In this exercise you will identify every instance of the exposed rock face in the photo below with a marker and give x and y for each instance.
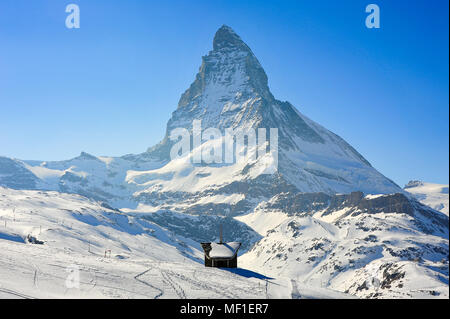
(427, 220)
(230, 91)
(412, 184)
(205, 228)
(387, 246)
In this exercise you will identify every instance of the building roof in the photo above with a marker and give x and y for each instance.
(224, 250)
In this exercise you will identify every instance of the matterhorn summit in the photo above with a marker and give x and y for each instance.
(230, 91)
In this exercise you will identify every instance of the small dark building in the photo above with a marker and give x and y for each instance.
(221, 255)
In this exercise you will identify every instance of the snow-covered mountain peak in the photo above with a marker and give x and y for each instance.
(231, 91)
(230, 71)
(226, 37)
(413, 183)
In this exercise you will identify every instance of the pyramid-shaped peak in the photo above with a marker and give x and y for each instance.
(224, 70)
(226, 28)
(226, 37)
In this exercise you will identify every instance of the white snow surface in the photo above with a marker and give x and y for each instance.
(224, 250)
(431, 194)
(363, 255)
(305, 255)
(116, 255)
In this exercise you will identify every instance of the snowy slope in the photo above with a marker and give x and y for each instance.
(146, 261)
(76, 224)
(231, 91)
(433, 195)
(353, 246)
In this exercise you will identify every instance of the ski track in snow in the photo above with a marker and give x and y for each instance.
(295, 294)
(176, 287)
(160, 291)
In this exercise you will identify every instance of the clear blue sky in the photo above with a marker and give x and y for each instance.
(109, 87)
